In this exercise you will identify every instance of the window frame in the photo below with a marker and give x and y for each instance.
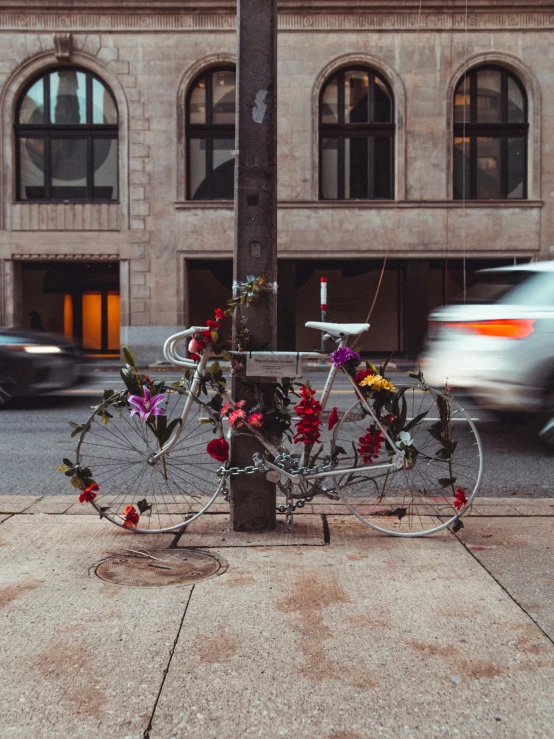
(370, 131)
(472, 130)
(48, 131)
(207, 131)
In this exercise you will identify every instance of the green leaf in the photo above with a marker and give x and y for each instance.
(436, 431)
(70, 472)
(170, 429)
(68, 462)
(456, 526)
(74, 425)
(143, 506)
(215, 336)
(128, 357)
(215, 368)
(63, 468)
(226, 356)
(84, 472)
(204, 420)
(77, 483)
(384, 366)
(416, 420)
(444, 482)
(107, 394)
(443, 454)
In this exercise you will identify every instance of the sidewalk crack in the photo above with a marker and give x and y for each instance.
(148, 729)
(505, 590)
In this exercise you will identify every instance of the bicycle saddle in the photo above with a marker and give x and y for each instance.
(338, 329)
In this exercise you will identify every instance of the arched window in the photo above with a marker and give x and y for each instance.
(356, 137)
(490, 136)
(211, 135)
(66, 138)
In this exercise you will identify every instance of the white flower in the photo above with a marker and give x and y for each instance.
(404, 438)
(398, 459)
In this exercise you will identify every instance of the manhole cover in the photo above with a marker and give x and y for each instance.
(160, 567)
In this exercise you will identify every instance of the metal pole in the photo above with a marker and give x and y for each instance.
(255, 246)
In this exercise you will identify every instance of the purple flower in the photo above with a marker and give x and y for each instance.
(341, 356)
(147, 405)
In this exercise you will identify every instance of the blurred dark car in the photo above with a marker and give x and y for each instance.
(33, 362)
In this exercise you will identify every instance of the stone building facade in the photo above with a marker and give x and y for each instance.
(151, 257)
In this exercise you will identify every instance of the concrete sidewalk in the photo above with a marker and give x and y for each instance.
(331, 631)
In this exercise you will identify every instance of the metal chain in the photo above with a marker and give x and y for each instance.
(293, 506)
(233, 471)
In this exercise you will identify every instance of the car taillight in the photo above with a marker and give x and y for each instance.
(499, 329)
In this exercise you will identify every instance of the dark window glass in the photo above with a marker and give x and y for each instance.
(211, 136)
(356, 137)
(490, 136)
(67, 129)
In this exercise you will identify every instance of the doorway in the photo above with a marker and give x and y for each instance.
(79, 300)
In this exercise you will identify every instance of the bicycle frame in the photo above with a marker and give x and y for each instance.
(171, 354)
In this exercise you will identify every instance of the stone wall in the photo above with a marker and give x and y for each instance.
(149, 58)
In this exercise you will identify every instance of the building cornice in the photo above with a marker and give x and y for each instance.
(294, 15)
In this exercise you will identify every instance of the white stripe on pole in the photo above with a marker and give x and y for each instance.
(323, 293)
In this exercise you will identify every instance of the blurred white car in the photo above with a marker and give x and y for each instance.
(499, 344)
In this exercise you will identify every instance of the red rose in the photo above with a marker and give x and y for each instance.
(220, 315)
(88, 494)
(362, 374)
(218, 449)
(214, 325)
(130, 517)
(333, 418)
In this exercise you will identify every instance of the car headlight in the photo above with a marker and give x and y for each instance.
(41, 349)
(33, 348)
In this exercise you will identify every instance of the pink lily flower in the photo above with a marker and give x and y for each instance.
(147, 405)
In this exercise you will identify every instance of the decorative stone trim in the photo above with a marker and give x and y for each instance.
(66, 257)
(62, 44)
(326, 21)
(65, 216)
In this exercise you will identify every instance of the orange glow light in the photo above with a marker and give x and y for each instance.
(499, 329)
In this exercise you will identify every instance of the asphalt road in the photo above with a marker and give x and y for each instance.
(34, 436)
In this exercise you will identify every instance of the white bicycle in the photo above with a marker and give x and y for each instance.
(407, 461)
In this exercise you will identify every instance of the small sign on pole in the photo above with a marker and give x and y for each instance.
(323, 301)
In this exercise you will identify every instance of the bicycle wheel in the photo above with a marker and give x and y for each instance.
(116, 447)
(437, 464)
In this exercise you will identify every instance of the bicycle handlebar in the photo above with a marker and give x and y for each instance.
(170, 352)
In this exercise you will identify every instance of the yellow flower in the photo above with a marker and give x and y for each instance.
(376, 382)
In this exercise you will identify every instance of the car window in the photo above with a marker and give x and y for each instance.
(495, 287)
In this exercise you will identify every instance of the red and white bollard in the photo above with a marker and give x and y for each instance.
(323, 302)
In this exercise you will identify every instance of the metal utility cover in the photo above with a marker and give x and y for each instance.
(160, 568)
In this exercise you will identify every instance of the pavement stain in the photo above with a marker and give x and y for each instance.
(439, 650)
(531, 646)
(308, 596)
(72, 669)
(479, 669)
(216, 647)
(236, 579)
(9, 593)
